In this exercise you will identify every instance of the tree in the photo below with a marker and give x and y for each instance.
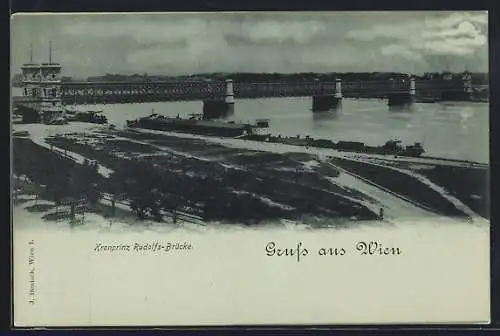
(139, 182)
(92, 190)
(173, 193)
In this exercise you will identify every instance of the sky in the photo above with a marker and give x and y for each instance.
(186, 43)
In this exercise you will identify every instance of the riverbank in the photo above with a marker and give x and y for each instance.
(283, 187)
(222, 180)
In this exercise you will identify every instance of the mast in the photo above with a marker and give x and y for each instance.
(31, 52)
(50, 52)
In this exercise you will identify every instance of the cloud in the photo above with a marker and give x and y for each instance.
(454, 19)
(463, 29)
(227, 43)
(196, 29)
(458, 46)
(399, 31)
(455, 34)
(400, 50)
(276, 31)
(172, 43)
(458, 34)
(142, 31)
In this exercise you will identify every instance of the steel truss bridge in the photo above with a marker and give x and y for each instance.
(163, 91)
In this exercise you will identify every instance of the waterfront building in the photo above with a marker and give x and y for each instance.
(41, 99)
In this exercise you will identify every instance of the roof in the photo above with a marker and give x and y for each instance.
(40, 65)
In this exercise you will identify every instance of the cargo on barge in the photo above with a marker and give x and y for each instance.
(391, 147)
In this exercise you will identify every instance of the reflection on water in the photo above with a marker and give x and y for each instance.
(320, 117)
(401, 109)
(454, 130)
(402, 114)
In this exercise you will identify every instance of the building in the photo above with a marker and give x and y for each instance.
(456, 87)
(41, 99)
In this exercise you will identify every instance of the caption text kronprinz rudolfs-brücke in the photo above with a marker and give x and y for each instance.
(144, 247)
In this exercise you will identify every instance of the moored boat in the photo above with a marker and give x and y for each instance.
(195, 124)
(191, 125)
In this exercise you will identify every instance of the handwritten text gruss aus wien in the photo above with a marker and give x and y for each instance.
(363, 248)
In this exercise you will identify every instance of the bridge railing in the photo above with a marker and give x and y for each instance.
(270, 89)
(201, 90)
(148, 90)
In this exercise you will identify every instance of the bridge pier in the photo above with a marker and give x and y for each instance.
(400, 97)
(214, 109)
(326, 102)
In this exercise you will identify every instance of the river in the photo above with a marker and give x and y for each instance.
(458, 130)
(449, 130)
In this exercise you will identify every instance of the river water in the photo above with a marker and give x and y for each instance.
(449, 130)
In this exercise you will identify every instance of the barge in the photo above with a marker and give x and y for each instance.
(254, 132)
(192, 125)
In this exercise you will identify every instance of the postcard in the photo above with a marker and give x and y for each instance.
(250, 168)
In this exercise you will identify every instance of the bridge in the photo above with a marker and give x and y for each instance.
(219, 96)
(111, 92)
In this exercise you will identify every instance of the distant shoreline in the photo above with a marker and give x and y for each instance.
(478, 77)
